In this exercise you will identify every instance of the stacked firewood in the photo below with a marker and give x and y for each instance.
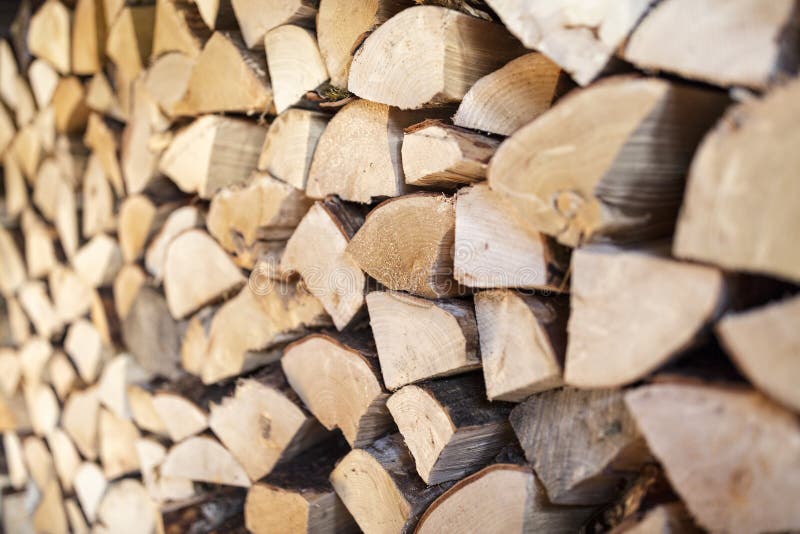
(485, 266)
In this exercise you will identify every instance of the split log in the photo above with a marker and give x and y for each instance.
(182, 418)
(98, 200)
(130, 40)
(12, 267)
(127, 284)
(127, 509)
(14, 415)
(420, 231)
(88, 37)
(102, 138)
(507, 99)
(428, 55)
(256, 18)
(211, 153)
(27, 147)
(690, 429)
(139, 158)
(176, 223)
(47, 188)
(65, 457)
(136, 216)
(25, 106)
(264, 422)
(33, 357)
(168, 77)
(7, 133)
(719, 222)
(216, 465)
(246, 327)
(113, 384)
(461, 433)
(523, 340)
(48, 35)
(342, 26)
(40, 255)
(224, 58)
(37, 305)
(100, 313)
(671, 301)
(49, 515)
(339, 380)
(418, 339)
(17, 470)
(316, 250)
(763, 343)
(69, 104)
(71, 157)
(581, 39)
(77, 523)
(610, 160)
(10, 71)
(102, 99)
(39, 461)
(217, 14)
(43, 80)
(16, 194)
(495, 247)
(436, 154)
(160, 488)
(117, 443)
(380, 488)
(289, 145)
(197, 271)
(151, 334)
(10, 371)
(18, 322)
(143, 412)
(753, 60)
(195, 340)
(90, 487)
(43, 408)
(72, 297)
(178, 28)
(500, 498)
(85, 347)
(62, 375)
(294, 62)
(66, 221)
(79, 420)
(580, 464)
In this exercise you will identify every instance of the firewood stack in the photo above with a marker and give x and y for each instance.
(389, 266)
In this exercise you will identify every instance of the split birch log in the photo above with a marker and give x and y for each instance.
(500, 498)
(127, 284)
(246, 327)
(71, 157)
(98, 200)
(178, 28)
(17, 470)
(627, 187)
(25, 106)
(102, 99)
(98, 261)
(66, 221)
(264, 422)
(762, 52)
(143, 413)
(65, 457)
(43, 408)
(197, 271)
(495, 247)
(168, 78)
(37, 305)
(177, 222)
(8, 78)
(215, 465)
(88, 37)
(436, 154)
(113, 384)
(33, 358)
(90, 487)
(48, 35)
(27, 148)
(339, 380)
(290, 143)
(580, 464)
(160, 488)
(523, 340)
(690, 429)
(418, 339)
(580, 38)
(428, 55)
(380, 488)
(127, 509)
(420, 230)
(507, 99)
(298, 498)
(358, 156)
(49, 515)
(102, 138)
(195, 340)
(316, 250)
(39, 461)
(10, 371)
(12, 267)
(139, 158)
(72, 297)
(763, 343)
(719, 222)
(136, 216)
(43, 80)
(40, 255)
(224, 58)
(256, 19)
(181, 416)
(130, 40)
(79, 420)
(462, 431)
(217, 14)
(48, 187)
(117, 443)
(294, 62)
(342, 26)
(151, 334)
(671, 301)
(62, 375)
(212, 153)
(15, 191)
(19, 324)
(69, 104)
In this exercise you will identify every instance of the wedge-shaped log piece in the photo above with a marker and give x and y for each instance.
(98, 200)
(43, 408)
(295, 64)
(428, 55)
(523, 340)
(43, 79)
(341, 27)
(65, 457)
(290, 143)
(168, 78)
(69, 104)
(27, 147)
(246, 327)
(100, 97)
(439, 155)
(12, 268)
(500, 498)
(127, 284)
(151, 334)
(19, 325)
(462, 431)
(418, 339)
(49, 35)
(79, 420)
(143, 412)
(380, 487)
(581, 38)
(763, 343)
(49, 515)
(130, 39)
(668, 37)
(507, 99)
(37, 305)
(264, 422)
(608, 161)
(40, 253)
(731, 455)
(98, 261)
(10, 71)
(671, 301)
(48, 188)
(339, 380)
(419, 231)
(161, 488)
(227, 77)
(178, 28)
(139, 158)
(39, 461)
(17, 470)
(586, 463)
(495, 247)
(117, 439)
(176, 223)
(720, 221)
(216, 14)
(316, 250)
(72, 297)
(17, 198)
(203, 459)
(88, 36)
(127, 509)
(62, 375)
(33, 357)
(196, 272)
(136, 216)
(102, 137)
(113, 384)
(358, 155)
(90, 486)
(181, 417)
(211, 153)
(26, 106)
(256, 18)
(77, 523)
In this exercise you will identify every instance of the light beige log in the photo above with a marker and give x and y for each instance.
(33, 357)
(98, 261)
(37, 305)
(129, 280)
(151, 334)
(10, 71)
(177, 222)
(181, 417)
(143, 412)
(90, 486)
(178, 28)
(77, 523)
(136, 216)
(62, 375)
(428, 55)
(27, 148)
(40, 253)
(289, 145)
(130, 40)
(10, 371)
(16, 193)
(19, 325)
(295, 64)
(72, 296)
(49, 35)
(216, 14)
(43, 408)
(256, 18)
(168, 78)
(11, 266)
(39, 461)
(113, 384)
(88, 37)
(117, 439)
(79, 420)
(43, 79)
(127, 509)
(17, 470)
(65, 457)
(98, 200)
(139, 158)
(102, 99)
(69, 104)
(49, 515)
(203, 459)
(85, 347)
(161, 488)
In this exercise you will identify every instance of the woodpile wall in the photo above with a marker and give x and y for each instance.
(470, 266)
